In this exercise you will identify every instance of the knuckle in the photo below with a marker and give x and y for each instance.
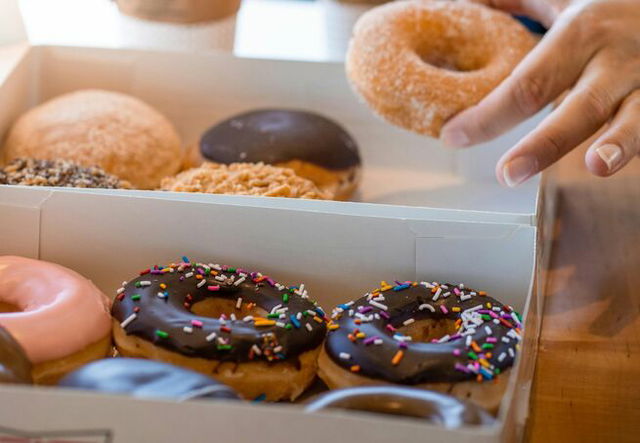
(486, 129)
(551, 146)
(591, 21)
(625, 131)
(598, 104)
(529, 95)
(634, 101)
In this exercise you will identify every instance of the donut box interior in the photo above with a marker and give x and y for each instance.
(423, 212)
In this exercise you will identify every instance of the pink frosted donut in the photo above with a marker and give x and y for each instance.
(59, 317)
(418, 62)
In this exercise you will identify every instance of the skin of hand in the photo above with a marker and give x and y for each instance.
(592, 49)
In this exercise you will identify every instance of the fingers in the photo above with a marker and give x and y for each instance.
(590, 104)
(549, 69)
(511, 6)
(619, 143)
(543, 11)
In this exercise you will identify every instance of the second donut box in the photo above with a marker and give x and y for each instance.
(423, 213)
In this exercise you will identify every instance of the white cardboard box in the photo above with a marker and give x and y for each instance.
(106, 237)
(425, 212)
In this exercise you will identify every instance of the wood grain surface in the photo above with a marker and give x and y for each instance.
(587, 383)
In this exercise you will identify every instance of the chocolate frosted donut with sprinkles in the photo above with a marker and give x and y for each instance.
(431, 335)
(242, 328)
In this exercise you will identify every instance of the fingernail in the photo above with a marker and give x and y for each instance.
(611, 155)
(518, 170)
(454, 138)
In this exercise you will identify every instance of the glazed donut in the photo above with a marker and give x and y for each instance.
(432, 406)
(15, 366)
(417, 63)
(315, 147)
(60, 318)
(428, 335)
(146, 379)
(239, 327)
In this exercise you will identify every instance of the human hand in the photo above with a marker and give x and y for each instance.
(593, 48)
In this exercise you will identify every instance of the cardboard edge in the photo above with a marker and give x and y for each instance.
(22, 224)
(78, 399)
(356, 209)
(12, 27)
(517, 426)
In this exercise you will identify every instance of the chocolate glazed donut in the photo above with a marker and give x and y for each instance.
(477, 339)
(432, 406)
(270, 326)
(15, 367)
(314, 146)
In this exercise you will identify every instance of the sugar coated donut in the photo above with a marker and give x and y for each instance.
(146, 379)
(15, 366)
(314, 146)
(434, 407)
(117, 132)
(434, 336)
(418, 62)
(60, 318)
(258, 336)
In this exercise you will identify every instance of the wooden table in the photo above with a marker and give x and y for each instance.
(587, 383)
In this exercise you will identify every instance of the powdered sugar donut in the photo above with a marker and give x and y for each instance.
(417, 63)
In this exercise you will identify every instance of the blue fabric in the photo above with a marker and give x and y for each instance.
(532, 25)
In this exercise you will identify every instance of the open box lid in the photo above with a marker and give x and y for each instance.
(13, 36)
(11, 25)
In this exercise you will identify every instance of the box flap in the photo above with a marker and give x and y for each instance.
(20, 222)
(106, 418)
(475, 253)
(11, 24)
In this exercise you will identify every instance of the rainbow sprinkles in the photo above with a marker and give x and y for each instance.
(482, 340)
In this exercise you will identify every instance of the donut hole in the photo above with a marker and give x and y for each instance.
(214, 307)
(8, 307)
(452, 55)
(428, 329)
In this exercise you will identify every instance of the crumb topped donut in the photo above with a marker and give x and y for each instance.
(435, 336)
(62, 173)
(418, 62)
(243, 328)
(244, 179)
